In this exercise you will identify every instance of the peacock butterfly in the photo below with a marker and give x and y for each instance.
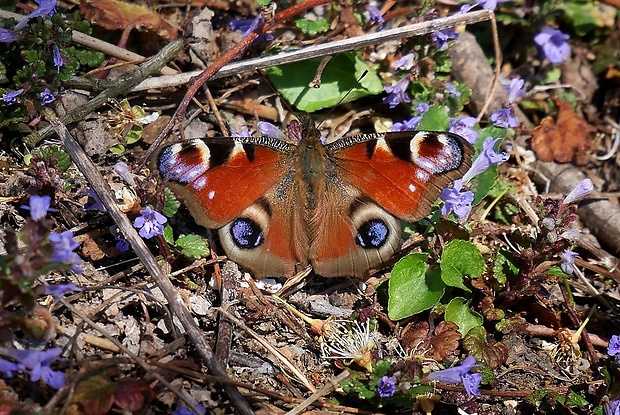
(280, 205)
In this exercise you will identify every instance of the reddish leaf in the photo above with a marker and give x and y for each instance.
(438, 346)
(567, 140)
(95, 395)
(131, 394)
(118, 15)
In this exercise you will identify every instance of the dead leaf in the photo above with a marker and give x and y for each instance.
(118, 15)
(567, 140)
(438, 346)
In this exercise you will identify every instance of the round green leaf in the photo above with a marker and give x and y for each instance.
(458, 259)
(458, 312)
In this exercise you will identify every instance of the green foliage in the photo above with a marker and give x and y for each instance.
(413, 287)
(435, 119)
(504, 266)
(341, 77)
(171, 204)
(62, 159)
(458, 312)
(192, 246)
(459, 259)
(312, 28)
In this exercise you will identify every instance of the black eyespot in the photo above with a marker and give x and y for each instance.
(246, 233)
(372, 234)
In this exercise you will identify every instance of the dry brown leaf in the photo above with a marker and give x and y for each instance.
(445, 340)
(567, 140)
(118, 15)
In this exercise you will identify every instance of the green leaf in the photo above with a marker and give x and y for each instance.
(413, 288)
(262, 3)
(192, 246)
(588, 16)
(460, 314)
(475, 341)
(459, 259)
(312, 28)
(62, 159)
(134, 134)
(171, 204)
(436, 118)
(504, 266)
(168, 234)
(117, 148)
(340, 77)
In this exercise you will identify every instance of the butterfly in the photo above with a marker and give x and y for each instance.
(280, 205)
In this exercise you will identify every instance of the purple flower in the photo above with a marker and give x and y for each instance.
(571, 234)
(8, 36)
(46, 97)
(244, 132)
(504, 118)
(63, 245)
(39, 206)
(464, 9)
(490, 4)
(460, 374)
(150, 222)
(374, 15)
(122, 245)
(59, 290)
(386, 386)
(250, 25)
(7, 368)
(457, 201)
(124, 173)
(46, 8)
(613, 349)
(485, 159)
(94, 202)
(612, 407)
(442, 37)
(186, 411)
(406, 62)
(59, 61)
(568, 260)
(515, 89)
(269, 130)
(407, 125)
(580, 191)
(553, 44)
(10, 97)
(452, 89)
(37, 363)
(397, 93)
(462, 127)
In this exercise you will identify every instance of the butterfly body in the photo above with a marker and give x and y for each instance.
(279, 206)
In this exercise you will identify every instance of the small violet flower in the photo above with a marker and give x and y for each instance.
(515, 89)
(485, 159)
(7, 368)
(612, 407)
(248, 26)
(122, 245)
(183, 410)
(10, 97)
(63, 245)
(46, 97)
(122, 169)
(397, 93)
(405, 63)
(460, 374)
(407, 125)
(490, 4)
(442, 37)
(46, 8)
(463, 127)
(568, 260)
(38, 207)
(580, 191)
(553, 44)
(59, 61)
(613, 349)
(269, 130)
(457, 200)
(504, 118)
(452, 90)
(8, 36)
(150, 222)
(94, 202)
(59, 290)
(243, 132)
(374, 15)
(386, 386)
(37, 364)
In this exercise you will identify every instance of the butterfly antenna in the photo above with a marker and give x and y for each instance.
(359, 80)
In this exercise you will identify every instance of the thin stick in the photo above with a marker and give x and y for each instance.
(314, 51)
(97, 182)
